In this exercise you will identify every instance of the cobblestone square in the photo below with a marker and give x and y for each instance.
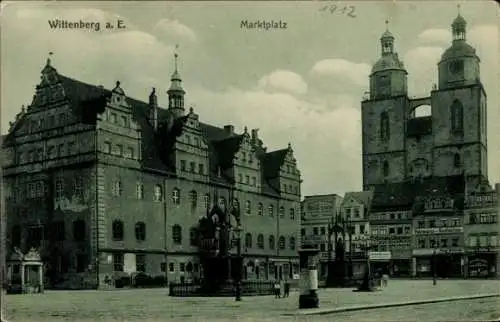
(156, 305)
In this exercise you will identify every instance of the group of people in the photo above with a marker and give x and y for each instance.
(277, 289)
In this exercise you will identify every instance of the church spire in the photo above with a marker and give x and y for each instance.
(458, 27)
(176, 92)
(387, 40)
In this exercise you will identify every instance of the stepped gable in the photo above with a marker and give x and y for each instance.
(364, 197)
(89, 101)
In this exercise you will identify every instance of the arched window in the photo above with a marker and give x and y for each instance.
(260, 209)
(236, 203)
(117, 188)
(207, 200)
(292, 214)
(271, 211)
(292, 243)
(260, 241)
(176, 196)
(384, 126)
(386, 169)
(117, 230)
(457, 116)
(140, 231)
(271, 242)
(193, 236)
(177, 234)
(193, 196)
(282, 212)
(281, 242)
(248, 240)
(158, 193)
(456, 160)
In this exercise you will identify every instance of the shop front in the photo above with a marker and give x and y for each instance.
(380, 262)
(444, 262)
(482, 263)
(401, 262)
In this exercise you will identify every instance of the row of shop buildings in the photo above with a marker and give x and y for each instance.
(407, 231)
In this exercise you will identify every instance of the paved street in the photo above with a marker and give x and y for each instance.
(156, 305)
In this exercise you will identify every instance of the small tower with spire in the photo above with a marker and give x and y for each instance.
(153, 105)
(387, 40)
(176, 92)
(458, 27)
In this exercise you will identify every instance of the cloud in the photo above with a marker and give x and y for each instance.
(283, 80)
(174, 31)
(357, 73)
(421, 64)
(435, 36)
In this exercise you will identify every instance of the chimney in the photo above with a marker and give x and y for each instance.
(255, 136)
(153, 103)
(229, 129)
(497, 188)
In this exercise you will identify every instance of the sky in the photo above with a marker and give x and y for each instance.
(303, 84)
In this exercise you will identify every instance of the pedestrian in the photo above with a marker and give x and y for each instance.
(385, 279)
(286, 292)
(277, 289)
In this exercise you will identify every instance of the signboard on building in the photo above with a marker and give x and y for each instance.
(439, 251)
(440, 230)
(379, 256)
(313, 239)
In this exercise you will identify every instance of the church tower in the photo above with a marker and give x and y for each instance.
(383, 118)
(176, 92)
(459, 111)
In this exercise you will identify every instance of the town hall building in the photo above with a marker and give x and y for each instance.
(106, 185)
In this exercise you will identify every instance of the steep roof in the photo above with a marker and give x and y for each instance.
(89, 101)
(364, 197)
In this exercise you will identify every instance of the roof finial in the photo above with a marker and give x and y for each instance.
(48, 58)
(176, 56)
(117, 83)
(458, 9)
(387, 24)
(246, 129)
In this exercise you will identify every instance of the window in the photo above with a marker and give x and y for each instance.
(140, 231)
(407, 230)
(392, 230)
(400, 230)
(124, 121)
(247, 179)
(118, 262)
(292, 214)
(432, 223)
(386, 169)
(271, 211)
(444, 222)
(254, 181)
(356, 212)
(271, 242)
(322, 230)
(302, 231)
(248, 240)
(457, 116)
(140, 262)
(193, 196)
(117, 230)
(454, 242)
(81, 263)
(444, 243)
(201, 169)
(78, 187)
(113, 117)
(59, 231)
(183, 165)
(243, 156)
(130, 153)
(158, 193)
(117, 188)
(384, 126)
(163, 266)
(260, 209)
(222, 202)
(292, 243)
(432, 243)
(171, 267)
(248, 207)
(206, 200)
(182, 267)
(456, 160)
(59, 188)
(193, 236)
(177, 234)
(421, 224)
(282, 212)
(79, 230)
(240, 178)
(192, 167)
(392, 216)
(107, 148)
(455, 222)
(362, 229)
(322, 247)
(139, 189)
(315, 231)
(281, 242)
(260, 241)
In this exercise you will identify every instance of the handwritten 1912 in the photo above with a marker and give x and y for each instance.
(332, 8)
